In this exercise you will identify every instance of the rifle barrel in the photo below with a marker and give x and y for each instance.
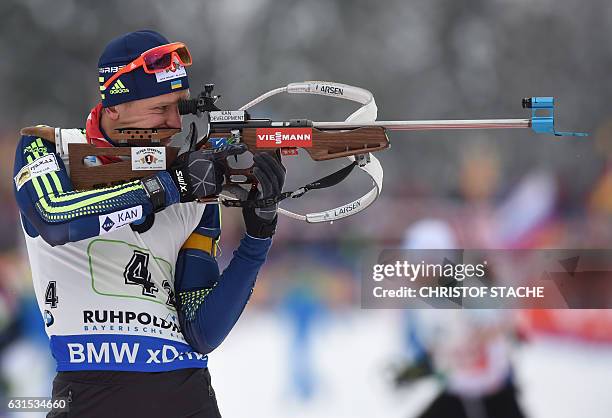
(429, 125)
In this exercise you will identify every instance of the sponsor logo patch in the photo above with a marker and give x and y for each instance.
(346, 209)
(289, 151)
(283, 137)
(113, 221)
(118, 88)
(49, 320)
(181, 181)
(148, 158)
(128, 353)
(99, 317)
(171, 75)
(40, 166)
(227, 116)
(35, 148)
(218, 142)
(110, 70)
(108, 224)
(330, 90)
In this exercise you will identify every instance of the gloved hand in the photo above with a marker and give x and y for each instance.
(193, 175)
(199, 174)
(270, 174)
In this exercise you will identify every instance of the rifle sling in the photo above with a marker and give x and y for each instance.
(323, 183)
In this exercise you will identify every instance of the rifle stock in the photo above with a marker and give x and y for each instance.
(330, 144)
(326, 145)
(94, 177)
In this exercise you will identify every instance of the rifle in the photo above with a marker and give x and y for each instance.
(356, 139)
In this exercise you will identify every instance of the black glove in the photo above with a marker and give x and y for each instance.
(270, 174)
(200, 173)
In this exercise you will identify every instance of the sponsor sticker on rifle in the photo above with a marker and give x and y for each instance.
(289, 151)
(329, 90)
(116, 220)
(283, 137)
(148, 158)
(42, 165)
(347, 209)
(227, 116)
(217, 142)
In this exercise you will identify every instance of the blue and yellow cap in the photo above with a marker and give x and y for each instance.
(136, 84)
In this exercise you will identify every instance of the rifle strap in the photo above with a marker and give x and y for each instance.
(323, 183)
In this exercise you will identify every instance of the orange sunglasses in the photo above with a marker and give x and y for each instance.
(156, 60)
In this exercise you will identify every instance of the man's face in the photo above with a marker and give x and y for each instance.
(153, 112)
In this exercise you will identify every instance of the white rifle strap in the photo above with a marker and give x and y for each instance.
(368, 162)
(64, 137)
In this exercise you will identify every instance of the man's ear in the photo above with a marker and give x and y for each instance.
(111, 112)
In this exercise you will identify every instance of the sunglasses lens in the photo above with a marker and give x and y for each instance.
(157, 61)
(160, 59)
(184, 55)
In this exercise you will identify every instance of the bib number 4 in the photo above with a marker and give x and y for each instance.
(137, 273)
(51, 298)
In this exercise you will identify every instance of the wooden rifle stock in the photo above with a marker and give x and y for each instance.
(330, 144)
(326, 145)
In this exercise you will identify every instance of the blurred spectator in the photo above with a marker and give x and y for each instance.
(468, 350)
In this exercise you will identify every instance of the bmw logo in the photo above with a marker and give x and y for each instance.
(48, 318)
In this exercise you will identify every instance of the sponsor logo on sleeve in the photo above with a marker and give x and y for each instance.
(113, 221)
(108, 224)
(148, 158)
(40, 166)
(181, 180)
(34, 147)
(284, 137)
